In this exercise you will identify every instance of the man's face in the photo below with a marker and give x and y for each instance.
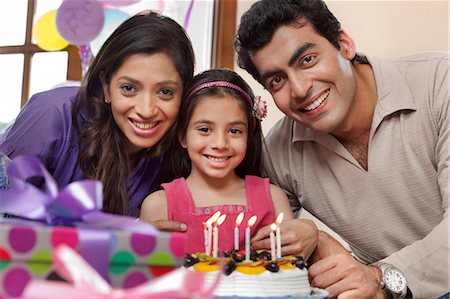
(310, 80)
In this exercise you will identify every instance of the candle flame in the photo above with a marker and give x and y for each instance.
(221, 219)
(279, 218)
(273, 227)
(209, 222)
(213, 218)
(251, 221)
(239, 218)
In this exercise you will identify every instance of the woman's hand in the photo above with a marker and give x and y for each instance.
(298, 237)
(169, 226)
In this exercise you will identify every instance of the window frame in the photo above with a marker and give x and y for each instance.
(224, 27)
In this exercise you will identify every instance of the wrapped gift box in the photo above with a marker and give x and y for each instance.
(26, 253)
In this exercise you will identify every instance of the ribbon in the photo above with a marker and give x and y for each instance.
(187, 17)
(78, 204)
(85, 282)
(85, 57)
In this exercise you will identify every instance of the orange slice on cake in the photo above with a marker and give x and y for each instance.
(206, 267)
(251, 270)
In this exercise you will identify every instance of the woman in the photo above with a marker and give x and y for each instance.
(114, 128)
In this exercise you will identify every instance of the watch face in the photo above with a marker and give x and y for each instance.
(394, 280)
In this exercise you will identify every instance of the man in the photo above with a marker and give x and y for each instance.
(363, 147)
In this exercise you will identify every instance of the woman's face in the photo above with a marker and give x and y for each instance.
(145, 95)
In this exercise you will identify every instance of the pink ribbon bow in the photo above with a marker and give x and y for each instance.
(85, 282)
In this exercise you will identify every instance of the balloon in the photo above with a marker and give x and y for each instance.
(116, 3)
(113, 18)
(46, 34)
(80, 21)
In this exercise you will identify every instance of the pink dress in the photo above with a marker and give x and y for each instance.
(181, 207)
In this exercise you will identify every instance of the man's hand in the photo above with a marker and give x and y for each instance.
(169, 226)
(336, 270)
(298, 237)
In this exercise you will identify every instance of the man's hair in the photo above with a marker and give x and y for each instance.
(260, 22)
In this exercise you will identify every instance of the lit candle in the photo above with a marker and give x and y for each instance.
(239, 219)
(273, 227)
(205, 237)
(219, 221)
(208, 237)
(209, 223)
(278, 234)
(250, 223)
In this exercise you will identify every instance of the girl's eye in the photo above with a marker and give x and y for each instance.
(235, 131)
(204, 130)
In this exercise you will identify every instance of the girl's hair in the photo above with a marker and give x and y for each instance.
(102, 150)
(177, 162)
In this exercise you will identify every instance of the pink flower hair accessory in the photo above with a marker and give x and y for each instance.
(259, 108)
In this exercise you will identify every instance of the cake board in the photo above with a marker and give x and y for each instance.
(316, 293)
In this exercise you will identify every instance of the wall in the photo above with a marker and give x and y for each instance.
(379, 28)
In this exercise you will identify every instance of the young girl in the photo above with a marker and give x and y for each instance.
(218, 163)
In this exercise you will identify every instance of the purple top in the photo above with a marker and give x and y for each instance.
(44, 129)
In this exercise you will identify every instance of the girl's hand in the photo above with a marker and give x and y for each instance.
(169, 226)
(298, 237)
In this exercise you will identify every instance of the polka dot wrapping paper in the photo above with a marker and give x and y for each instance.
(133, 258)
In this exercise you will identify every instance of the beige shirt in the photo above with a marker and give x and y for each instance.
(397, 210)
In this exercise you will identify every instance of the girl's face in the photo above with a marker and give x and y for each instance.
(145, 95)
(216, 137)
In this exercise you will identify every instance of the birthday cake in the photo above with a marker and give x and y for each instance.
(258, 277)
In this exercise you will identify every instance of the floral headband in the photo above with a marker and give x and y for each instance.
(259, 106)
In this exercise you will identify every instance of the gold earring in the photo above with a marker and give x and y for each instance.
(107, 101)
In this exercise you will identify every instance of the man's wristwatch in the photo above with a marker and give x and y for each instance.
(393, 280)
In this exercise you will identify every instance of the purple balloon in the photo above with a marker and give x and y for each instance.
(80, 21)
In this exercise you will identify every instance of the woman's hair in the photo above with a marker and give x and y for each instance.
(260, 22)
(102, 150)
(177, 162)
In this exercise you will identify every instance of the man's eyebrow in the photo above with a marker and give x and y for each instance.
(299, 52)
(291, 61)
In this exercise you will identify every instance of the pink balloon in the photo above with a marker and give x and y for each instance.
(80, 21)
(116, 3)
